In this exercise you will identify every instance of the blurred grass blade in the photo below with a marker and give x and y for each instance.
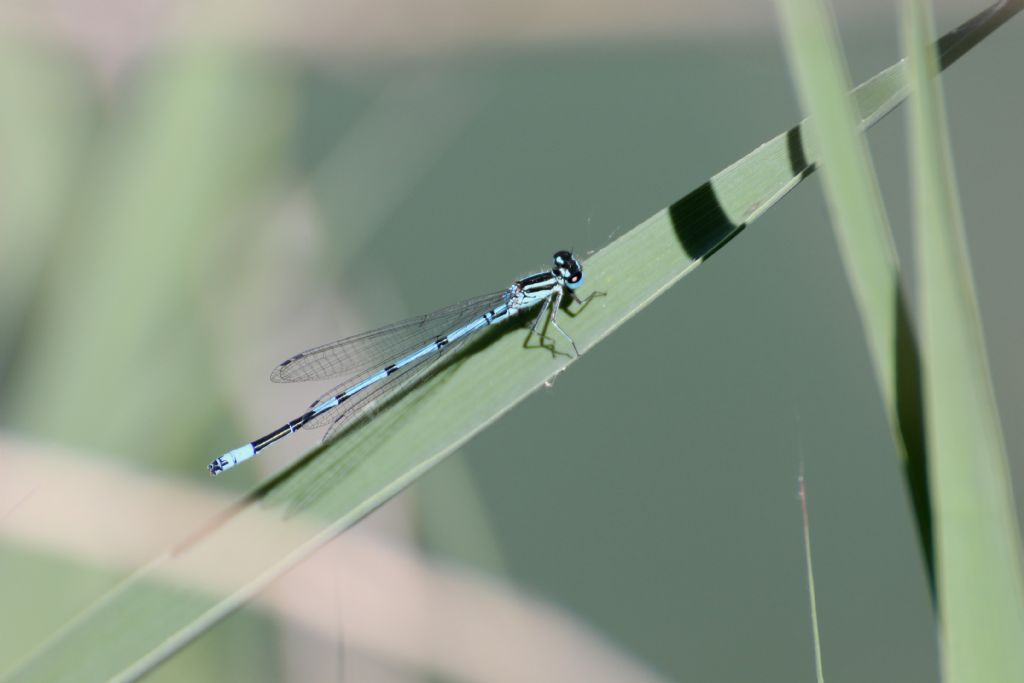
(145, 620)
(83, 492)
(159, 212)
(864, 237)
(979, 556)
(45, 123)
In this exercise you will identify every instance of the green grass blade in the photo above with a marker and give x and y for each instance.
(210, 130)
(44, 134)
(861, 225)
(148, 618)
(819, 668)
(864, 237)
(979, 556)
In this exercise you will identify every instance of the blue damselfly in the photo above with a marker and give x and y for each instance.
(375, 366)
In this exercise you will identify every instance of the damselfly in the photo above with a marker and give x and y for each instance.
(376, 366)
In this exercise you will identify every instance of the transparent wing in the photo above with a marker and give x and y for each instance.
(360, 355)
(378, 395)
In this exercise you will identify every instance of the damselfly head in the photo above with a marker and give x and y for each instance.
(568, 269)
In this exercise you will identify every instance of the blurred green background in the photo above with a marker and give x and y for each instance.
(182, 210)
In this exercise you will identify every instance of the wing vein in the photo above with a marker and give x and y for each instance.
(359, 356)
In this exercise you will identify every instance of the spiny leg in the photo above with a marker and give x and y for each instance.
(582, 302)
(556, 303)
(538, 329)
(536, 321)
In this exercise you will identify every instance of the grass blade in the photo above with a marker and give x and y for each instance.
(819, 668)
(979, 556)
(864, 237)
